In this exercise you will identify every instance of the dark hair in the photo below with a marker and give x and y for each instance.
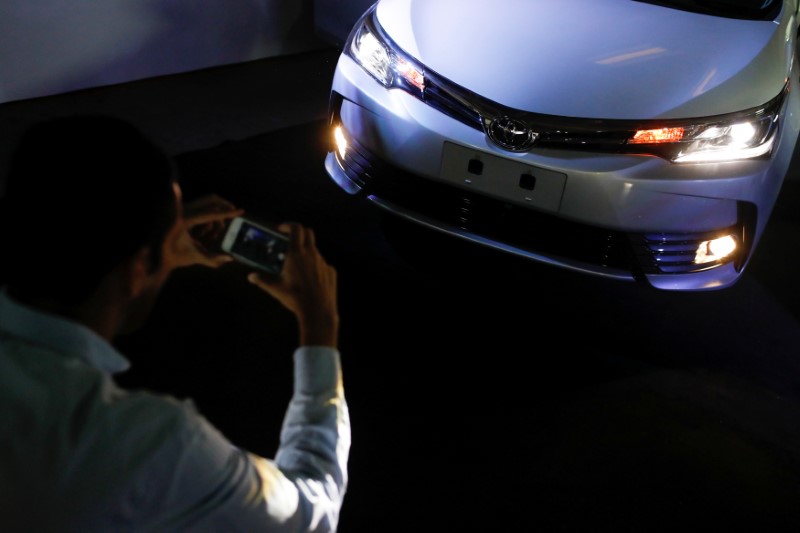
(84, 192)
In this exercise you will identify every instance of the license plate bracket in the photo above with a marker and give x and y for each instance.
(502, 178)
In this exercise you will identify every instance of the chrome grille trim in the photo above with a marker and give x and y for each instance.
(553, 131)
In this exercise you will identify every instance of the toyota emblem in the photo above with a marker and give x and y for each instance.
(511, 134)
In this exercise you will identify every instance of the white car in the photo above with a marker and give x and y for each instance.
(631, 139)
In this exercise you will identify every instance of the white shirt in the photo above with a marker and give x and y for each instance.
(78, 453)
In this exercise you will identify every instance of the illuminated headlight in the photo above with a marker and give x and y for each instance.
(742, 140)
(743, 136)
(373, 50)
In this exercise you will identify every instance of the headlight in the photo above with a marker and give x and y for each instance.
(375, 52)
(744, 136)
(741, 140)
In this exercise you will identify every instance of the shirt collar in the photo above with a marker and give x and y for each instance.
(59, 334)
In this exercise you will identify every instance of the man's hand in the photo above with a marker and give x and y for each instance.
(306, 287)
(205, 221)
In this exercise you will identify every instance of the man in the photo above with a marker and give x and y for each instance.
(95, 224)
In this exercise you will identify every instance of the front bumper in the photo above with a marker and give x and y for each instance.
(541, 237)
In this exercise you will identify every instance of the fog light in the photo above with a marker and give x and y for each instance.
(341, 142)
(715, 249)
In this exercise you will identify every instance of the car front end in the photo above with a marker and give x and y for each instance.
(626, 140)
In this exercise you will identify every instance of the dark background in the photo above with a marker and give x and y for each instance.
(487, 393)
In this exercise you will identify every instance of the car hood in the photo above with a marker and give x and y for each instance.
(605, 59)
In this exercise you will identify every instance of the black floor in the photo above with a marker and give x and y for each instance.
(487, 393)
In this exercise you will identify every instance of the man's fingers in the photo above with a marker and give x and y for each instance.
(259, 281)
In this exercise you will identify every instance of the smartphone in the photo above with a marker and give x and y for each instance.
(256, 244)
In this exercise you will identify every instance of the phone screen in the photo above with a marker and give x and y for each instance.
(261, 247)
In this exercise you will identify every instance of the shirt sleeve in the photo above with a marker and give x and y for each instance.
(315, 438)
(215, 486)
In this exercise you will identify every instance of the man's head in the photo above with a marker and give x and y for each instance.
(84, 194)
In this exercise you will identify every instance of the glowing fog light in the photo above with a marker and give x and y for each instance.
(341, 141)
(715, 249)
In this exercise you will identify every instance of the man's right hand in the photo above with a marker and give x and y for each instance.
(306, 286)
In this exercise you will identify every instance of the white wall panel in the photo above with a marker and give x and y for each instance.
(52, 46)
